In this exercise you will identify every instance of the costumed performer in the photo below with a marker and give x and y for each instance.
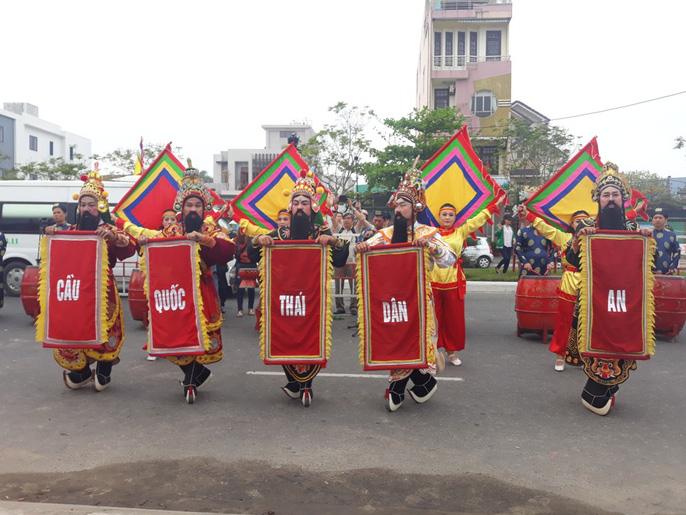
(667, 250)
(449, 285)
(194, 202)
(93, 215)
(409, 200)
(568, 289)
(535, 252)
(605, 375)
(306, 224)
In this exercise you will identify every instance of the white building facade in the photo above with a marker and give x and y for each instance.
(26, 138)
(233, 169)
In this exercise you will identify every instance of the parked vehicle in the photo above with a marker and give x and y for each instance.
(26, 207)
(478, 254)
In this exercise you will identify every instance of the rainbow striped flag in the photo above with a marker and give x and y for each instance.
(154, 192)
(456, 175)
(569, 190)
(263, 198)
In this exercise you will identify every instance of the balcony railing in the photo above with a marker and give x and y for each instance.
(459, 62)
(452, 5)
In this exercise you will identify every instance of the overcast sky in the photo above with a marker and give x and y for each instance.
(206, 75)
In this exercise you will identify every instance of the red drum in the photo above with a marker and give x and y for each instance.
(138, 302)
(249, 277)
(536, 304)
(29, 291)
(670, 304)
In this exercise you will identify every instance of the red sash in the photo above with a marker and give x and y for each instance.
(172, 283)
(393, 292)
(73, 290)
(296, 303)
(616, 313)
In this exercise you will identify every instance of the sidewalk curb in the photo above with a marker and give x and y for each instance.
(491, 286)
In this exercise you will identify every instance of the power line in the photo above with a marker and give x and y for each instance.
(596, 112)
(618, 107)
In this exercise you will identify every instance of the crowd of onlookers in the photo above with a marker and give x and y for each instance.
(350, 222)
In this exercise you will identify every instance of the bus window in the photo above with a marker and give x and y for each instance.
(24, 217)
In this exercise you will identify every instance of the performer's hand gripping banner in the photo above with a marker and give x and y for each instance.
(172, 284)
(616, 315)
(393, 296)
(296, 303)
(73, 279)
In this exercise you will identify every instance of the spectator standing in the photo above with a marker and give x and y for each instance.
(59, 215)
(243, 260)
(347, 272)
(504, 239)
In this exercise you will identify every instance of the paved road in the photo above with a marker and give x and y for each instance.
(506, 434)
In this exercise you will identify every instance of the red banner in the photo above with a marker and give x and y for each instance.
(296, 303)
(172, 283)
(73, 289)
(616, 311)
(393, 293)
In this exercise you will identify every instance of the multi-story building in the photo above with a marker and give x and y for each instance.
(235, 168)
(25, 138)
(464, 63)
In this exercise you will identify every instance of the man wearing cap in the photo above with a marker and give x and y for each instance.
(667, 250)
(59, 214)
(93, 215)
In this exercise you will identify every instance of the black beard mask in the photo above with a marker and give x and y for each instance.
(399, 229)
(89, 222)
(193, 222)
(611, 217)
(300, 226)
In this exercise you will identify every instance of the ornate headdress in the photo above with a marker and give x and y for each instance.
(611, 177)
(411, 188)
(93, 187)
(305, 185)
(192, 186)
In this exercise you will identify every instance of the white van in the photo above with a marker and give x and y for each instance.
(26, 206)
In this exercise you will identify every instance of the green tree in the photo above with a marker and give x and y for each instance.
(679, 143)
(422, 132)
(655, 188)
(122, 161)
(543, 148)
(337, 151)
(54, 169)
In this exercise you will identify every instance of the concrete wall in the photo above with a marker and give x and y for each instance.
(7, 142)
(27, 125)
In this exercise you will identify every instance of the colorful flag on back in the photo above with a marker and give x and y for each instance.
(262, 199)
(569, 190)
(154, 192)
(456, 175)
(139, 160)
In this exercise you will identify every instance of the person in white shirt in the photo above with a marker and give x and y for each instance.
(347, 272)
(504, 239)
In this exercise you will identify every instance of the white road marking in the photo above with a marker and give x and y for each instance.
(327, 374)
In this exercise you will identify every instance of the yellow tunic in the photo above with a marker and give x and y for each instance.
(456, 243)
(571, 280)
